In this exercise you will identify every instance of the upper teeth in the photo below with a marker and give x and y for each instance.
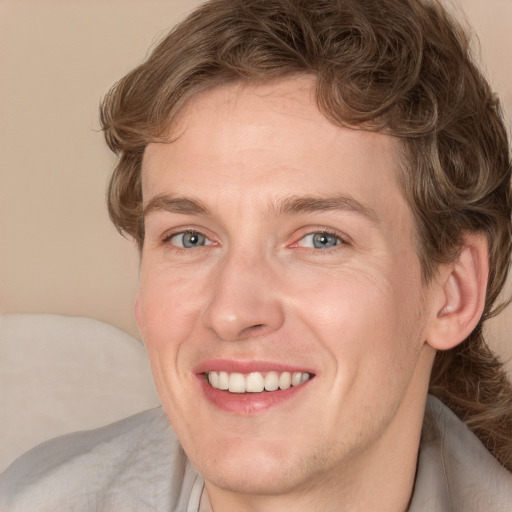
(255, 382)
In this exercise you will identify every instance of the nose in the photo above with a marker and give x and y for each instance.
(245, 302)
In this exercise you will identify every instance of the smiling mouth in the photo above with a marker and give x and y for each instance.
(255, 382)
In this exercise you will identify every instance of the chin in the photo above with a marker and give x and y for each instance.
(254, 469)
(254, 479)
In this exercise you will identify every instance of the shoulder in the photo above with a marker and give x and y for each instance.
(134, 464)
(455, 470)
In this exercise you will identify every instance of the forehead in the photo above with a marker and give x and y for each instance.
(239, 138)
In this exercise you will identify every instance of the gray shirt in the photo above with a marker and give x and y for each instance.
(137, 464)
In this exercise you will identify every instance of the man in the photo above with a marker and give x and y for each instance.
(321, 196)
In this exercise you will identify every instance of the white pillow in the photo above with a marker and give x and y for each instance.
(60, 374)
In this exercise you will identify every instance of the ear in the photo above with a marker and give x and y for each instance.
(459, 295)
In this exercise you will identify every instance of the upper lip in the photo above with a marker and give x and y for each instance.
(237, 366)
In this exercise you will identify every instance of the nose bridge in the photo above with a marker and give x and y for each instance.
(245, 300)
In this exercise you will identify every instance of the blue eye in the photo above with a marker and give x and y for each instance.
(319, 240)
(189, 240)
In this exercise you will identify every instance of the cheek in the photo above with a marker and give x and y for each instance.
(164, 319)
(352, 301)
(165, 306)
(365, 320)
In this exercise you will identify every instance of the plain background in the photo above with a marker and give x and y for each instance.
(58, 251)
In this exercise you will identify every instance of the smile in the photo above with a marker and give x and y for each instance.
(255, 382)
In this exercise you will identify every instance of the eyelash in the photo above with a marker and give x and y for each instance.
(168, 237)
(341, 240)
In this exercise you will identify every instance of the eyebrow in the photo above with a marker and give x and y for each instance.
(288, 206)
(312, 204)
(183, 205)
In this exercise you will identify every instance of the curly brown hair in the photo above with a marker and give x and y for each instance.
(403, 67)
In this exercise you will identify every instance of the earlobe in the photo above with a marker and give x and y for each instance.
(459, 295)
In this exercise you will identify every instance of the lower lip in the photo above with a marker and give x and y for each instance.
(248, 403)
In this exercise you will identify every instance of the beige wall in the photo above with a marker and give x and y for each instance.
(58, 251)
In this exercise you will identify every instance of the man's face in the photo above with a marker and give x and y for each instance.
(279, 250)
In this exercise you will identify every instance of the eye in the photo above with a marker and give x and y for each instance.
(319, 240)
(189, 240)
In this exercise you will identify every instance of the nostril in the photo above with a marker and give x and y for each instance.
(234, 314)
(255, 329)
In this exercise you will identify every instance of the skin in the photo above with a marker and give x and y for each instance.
(356, 315)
